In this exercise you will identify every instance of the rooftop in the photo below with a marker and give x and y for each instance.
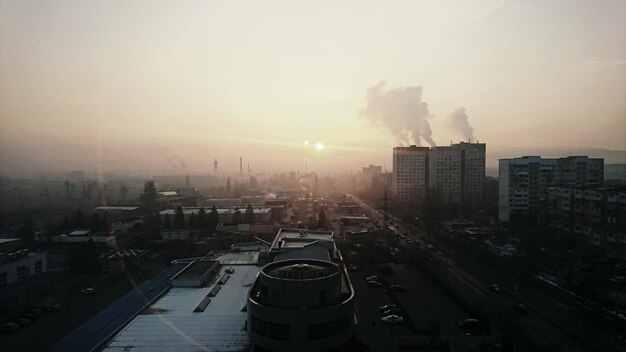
(172, 325)
(110, 207)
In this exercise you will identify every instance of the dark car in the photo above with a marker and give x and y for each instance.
(374, 284)
(387, 307)
(9, 327)
(392, 311)
(472, 326)
(521, 308)
(398, 288)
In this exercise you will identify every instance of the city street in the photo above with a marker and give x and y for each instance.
(550, 323)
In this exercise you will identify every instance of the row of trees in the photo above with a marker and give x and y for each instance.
(206, 220)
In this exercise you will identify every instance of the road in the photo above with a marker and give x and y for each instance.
(550, 323)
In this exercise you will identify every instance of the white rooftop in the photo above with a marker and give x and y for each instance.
(171, 324)
(111, 207)
(8, 240)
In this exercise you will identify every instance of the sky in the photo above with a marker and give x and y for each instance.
(170, 85)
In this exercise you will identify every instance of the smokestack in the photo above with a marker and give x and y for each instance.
(241, 165)
(215, 166)
(248, 169)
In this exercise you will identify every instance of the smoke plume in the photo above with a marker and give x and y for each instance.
(458, 121)
(402, 111)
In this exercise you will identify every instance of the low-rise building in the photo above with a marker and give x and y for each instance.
(303, 299)
(262, 214)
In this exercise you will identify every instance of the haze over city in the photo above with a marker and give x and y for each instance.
(170, 86)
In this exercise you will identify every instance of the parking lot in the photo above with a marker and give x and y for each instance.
(431, 316)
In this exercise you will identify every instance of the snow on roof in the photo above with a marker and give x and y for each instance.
(172, 325)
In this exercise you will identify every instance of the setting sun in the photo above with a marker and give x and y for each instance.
(319, 145)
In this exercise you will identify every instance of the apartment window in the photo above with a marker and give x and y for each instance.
(22, 273)
(38, 267)
(3, 279)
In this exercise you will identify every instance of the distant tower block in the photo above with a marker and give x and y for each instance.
(215, 166)
(240, 165)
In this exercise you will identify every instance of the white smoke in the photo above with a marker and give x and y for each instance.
(458, 121)
(402, 111)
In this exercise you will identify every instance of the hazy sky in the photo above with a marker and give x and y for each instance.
(144, 84)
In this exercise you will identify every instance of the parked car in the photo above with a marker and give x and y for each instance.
(521, 308)
(30, 315)
(392, 319)
(23, 321)
(9, 327)
(88, 291)
(354, 268)
(392, 311)
(375, 284)
(398, 288)
(387, 307)
(472, 326)
(371, 278)
(51, 307)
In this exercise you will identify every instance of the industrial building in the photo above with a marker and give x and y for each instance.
(262, 214)
(292, 295)
(303, 299)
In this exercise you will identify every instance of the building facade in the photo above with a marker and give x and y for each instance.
(522, 179)
(303, 299)
(410, 173)
(597, 213)
(457, 171)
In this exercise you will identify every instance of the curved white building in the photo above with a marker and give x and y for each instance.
(303, 299)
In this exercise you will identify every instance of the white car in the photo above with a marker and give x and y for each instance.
(88, 291)
(392, 319)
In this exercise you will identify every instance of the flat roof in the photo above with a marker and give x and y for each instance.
(79, 233)
(304, 234)
(108, 207)
(229, 210)
(171, 324)
(195, 270)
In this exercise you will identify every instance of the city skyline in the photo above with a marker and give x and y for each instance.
(103, 87)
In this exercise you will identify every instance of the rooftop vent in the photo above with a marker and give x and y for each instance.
(300, 266)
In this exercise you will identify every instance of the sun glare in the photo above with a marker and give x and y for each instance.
(319, 145)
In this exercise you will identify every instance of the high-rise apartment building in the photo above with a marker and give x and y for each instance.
(457, 171)
(522, 179)
(410, 173)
